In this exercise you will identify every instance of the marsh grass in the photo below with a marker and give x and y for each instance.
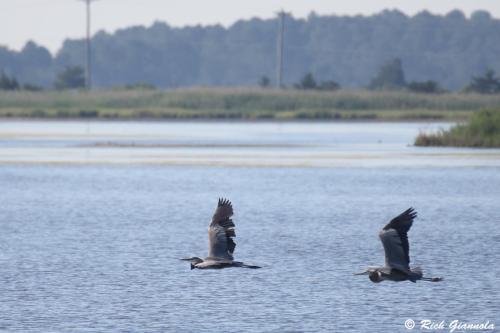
(481, 130)
(248, 103)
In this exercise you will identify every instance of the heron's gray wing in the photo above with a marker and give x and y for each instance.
(221, 232)
(223, 211)
(402, 224)
(395, 256)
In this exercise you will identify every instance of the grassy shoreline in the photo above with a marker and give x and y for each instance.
(482, 130)
(242, 104)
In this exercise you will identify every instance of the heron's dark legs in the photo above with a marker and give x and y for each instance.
(433, 279)
(243, 265)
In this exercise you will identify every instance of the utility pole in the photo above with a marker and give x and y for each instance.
(88, 65)
(279, 49)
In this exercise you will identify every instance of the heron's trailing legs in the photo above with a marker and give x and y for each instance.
(433, 279)
(243, 265)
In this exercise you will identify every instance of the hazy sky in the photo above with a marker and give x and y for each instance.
(49, 22)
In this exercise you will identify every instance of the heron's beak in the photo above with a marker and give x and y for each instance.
(362, 273)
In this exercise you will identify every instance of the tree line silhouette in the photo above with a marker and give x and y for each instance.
(345, 50)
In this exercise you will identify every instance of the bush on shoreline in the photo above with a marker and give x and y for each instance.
(482, 130)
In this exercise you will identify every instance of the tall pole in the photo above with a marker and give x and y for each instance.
(88, 69)
(88, 62)
(279, 50)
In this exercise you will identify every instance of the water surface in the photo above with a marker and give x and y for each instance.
(232, 144)
(89, 243)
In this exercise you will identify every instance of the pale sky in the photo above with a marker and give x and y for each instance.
(49, 22)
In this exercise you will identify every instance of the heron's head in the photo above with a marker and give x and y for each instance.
(375, 277)
(194, 261)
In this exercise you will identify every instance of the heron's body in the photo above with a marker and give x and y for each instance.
(393, 274)
(394, 237)
(217, 263)
(220, 241)
(213, 263)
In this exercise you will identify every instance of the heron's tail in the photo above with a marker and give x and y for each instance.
(416, 273)
(243, 265)
(419, 274)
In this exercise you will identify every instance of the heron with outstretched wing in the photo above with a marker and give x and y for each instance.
(394, 237)
(220, 241)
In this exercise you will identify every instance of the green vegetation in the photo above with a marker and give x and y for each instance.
(72, 77)
(308, 82)
(482, 130)
(264, 82)
(487, 84)
(202, 103)
(8, 83)
(425, 87)
(390, 76)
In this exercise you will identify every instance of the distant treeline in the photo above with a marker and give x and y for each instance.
(346, 50)
(244, 104)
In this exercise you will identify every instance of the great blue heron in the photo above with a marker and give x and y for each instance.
(220, 241)
(394, 237)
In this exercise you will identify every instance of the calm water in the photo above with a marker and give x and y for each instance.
(89, 235)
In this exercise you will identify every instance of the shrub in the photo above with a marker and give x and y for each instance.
(482, 130)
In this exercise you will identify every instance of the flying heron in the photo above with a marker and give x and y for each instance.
(220, 241)
(394, 237)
